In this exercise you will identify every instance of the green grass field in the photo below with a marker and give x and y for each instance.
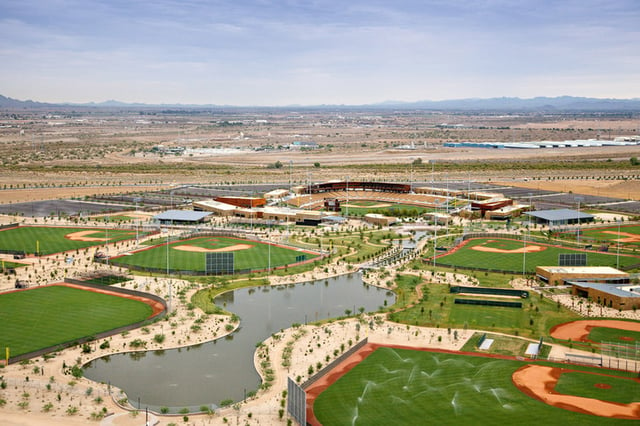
(108, 280)
(46, 316)
(405, 387)
(254, 258)
(6, 264)
(467, 257)
(437, 309)
(616, 389)
(609, 234)
(360, 208)
(605, 334)
(50, 240)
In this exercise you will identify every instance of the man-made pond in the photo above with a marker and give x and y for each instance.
(221, 370)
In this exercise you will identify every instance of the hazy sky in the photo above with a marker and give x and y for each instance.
(264, 52)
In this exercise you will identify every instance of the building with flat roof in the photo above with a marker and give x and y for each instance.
(602, 285)
(185, 217)
(616, 296)
(245, 202)
(221, 209)
(379, 219)
(560, 217)
(558, 275)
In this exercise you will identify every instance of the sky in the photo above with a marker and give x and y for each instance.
(288, 52)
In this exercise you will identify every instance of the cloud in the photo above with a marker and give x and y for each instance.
(307, 52)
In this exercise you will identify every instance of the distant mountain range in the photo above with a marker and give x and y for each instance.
(507, 104)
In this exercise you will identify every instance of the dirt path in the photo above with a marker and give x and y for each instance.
(236, 247)
(579, 330)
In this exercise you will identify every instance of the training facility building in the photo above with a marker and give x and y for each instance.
(559, 275)
(244, 202)
(616, 296)
(221, 209)
(379, 219)
(603, 285)
(560, 217)
(181, 217)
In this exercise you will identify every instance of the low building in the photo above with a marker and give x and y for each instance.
(560, 275)
(182, 217)
(490, 204)
(379, 219)
(244, 202)
(221, 209)
(276, 194)
(616, 296)
(560, 217)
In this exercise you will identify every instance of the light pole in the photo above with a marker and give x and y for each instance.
(411, 176)
(524, 252)
(167, 252)
(578, 199)
(347, 191)
(618, 254)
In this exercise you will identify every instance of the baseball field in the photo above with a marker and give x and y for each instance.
(189, 254)
(51, 239)
(393, 385)
(50, 315)
(627, 235)
(512, 255)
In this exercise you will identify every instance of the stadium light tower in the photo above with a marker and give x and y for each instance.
(578, 199)
(618, 254)
(347, 191)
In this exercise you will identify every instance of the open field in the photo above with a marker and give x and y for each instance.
(627, 235)
(189, 255)
(508, 256)
(437, 309)
(402, 386)
(605, 334)
(46, 316)
(360, 208)
(49, 239)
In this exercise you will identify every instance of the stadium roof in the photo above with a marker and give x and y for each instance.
(181, 216)
(560, 215)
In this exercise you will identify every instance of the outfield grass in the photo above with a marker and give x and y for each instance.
(6, 264)
(467, 257)
(621, 390)
(46, 316)
(50, 240)
(396, 209)
(608, 233)
(405, 387)
(254, 258)
(605, 334)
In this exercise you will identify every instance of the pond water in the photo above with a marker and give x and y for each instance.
(209, 373)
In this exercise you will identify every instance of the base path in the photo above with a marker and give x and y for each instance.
(629, 238)
(579, 330)
(527, 249)
(82, 236)
(236, 247)
(539, 382)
